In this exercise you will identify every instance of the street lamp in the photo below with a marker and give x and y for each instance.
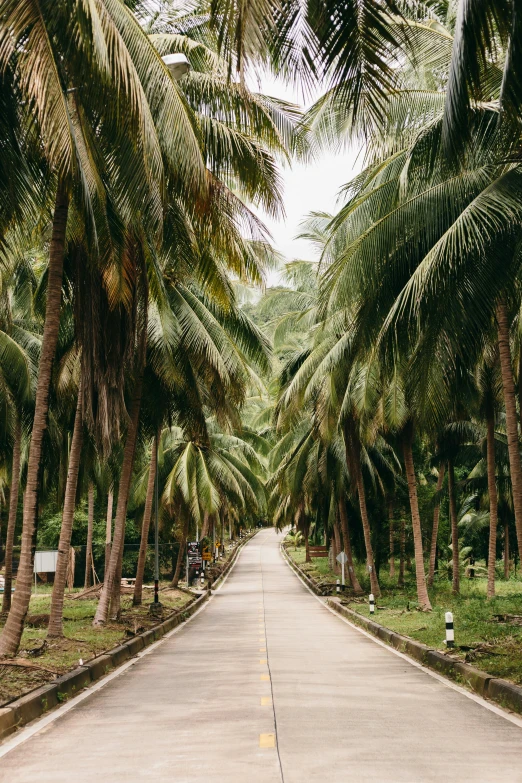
(178, 66)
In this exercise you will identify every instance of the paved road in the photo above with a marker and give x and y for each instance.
(264, 686)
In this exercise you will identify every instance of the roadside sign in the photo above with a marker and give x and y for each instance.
(194, 554)
(206, 555)
(341, 558)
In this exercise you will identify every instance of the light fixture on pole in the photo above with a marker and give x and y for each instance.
(177, 64)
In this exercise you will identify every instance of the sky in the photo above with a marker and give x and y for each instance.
(308, 187)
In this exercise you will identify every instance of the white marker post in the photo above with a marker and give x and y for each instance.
(338, 587)
(372, 603)
(450, 633)
(342, 559)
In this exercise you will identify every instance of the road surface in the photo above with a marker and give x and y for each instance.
(266, 685)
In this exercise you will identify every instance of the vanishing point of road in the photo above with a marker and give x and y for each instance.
(265, 685)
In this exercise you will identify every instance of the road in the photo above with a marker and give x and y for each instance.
(266, 685)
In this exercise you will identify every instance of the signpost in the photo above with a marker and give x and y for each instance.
(342, 559)
(194, 559)
(44, 563)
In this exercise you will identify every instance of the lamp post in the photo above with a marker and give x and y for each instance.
(178, 66)
(156, 537)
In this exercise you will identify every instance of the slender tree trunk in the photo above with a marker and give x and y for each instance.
(90, 524)
(402, 553)
(493, 504)
(354, 459)
(422, 590)
(205, 526)
(508, 385)
(108, 531)
(138, 585)
(308, 559)
(60, 578)
(12, 633)
(506, 551)
(181, 553)
(11, 522)
(392, 541)
(111, 591)
(454, 529)
(435, 529)
(345, 529)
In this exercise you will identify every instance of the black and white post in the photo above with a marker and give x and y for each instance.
(372, 603)
(450, 633)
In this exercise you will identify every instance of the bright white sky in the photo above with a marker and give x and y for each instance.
(307, 187)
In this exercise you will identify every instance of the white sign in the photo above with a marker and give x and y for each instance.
(341, 558)
(45, 562)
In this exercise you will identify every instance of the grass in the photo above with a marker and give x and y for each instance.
(493, 646)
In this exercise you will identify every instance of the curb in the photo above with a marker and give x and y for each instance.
(34, 704)
(504, 693)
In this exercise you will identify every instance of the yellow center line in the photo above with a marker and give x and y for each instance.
(262, 661)
(267, 740)
(266, 701)
(265, 677)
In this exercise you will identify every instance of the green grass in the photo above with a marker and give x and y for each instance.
(496, 646)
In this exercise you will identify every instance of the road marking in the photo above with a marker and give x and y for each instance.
(262, 649)
(266, 701)
(265, 677)
(267, 740)
(262, 661)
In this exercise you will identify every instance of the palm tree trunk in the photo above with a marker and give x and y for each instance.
(205, 526)
(90, 524)
(138, 584)
(60, 578)
(392, 542)
(108, 530)
(402, 553)
(506, 551)
(354, 459)
(493, 504)
(435, 529)
(345, 529)
(110, 595)
(181, 553)
(11, 522)
(454, 529)
(308, 559)
(422, 590)
(12, 633)
(508, 385)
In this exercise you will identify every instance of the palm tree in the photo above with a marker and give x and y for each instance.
(131, 77)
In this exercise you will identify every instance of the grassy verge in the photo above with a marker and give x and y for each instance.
(483, 639)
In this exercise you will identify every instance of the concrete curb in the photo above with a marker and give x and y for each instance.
(504, 693)
(34, 704)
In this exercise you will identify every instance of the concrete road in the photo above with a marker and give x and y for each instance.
(265, 685)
